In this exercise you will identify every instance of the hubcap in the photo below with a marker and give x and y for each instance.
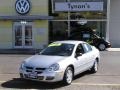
(69, 76)
(101, 46)
(96, 68)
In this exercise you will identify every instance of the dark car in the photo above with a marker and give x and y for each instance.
(98, 42)
(91, 38)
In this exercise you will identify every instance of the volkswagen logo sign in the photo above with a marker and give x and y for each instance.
(22, 6)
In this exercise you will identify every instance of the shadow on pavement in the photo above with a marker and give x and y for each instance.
(18, 83)
(82, 74)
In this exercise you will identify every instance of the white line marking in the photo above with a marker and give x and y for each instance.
(2, 81)
(93, 84)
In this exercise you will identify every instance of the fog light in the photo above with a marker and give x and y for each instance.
(49, 78)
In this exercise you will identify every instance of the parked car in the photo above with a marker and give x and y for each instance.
(92, 39)
(61, 60)
(99, 42)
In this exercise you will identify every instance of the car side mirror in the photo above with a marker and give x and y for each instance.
(78, 54)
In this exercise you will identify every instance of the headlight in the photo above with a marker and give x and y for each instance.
(54, 67)
(22, 65)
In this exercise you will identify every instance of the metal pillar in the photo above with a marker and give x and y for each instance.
(108, 19)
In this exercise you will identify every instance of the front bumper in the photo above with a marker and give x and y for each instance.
(45, 76)
(108, 45)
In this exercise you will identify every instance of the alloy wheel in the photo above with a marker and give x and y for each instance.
(101, 47)
(68, 77)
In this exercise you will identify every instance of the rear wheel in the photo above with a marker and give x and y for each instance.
(101, 47)
(68, 76)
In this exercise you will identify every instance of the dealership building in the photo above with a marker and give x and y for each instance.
(32, 24)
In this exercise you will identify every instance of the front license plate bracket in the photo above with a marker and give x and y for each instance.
(33, 75)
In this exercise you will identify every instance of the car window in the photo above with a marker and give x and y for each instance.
(80, 49)
(87, 47)
(86, 35)
(58, 49)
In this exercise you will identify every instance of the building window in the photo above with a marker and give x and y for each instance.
(67, 19)
(58, 30)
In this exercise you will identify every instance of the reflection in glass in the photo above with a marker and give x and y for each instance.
(18, 35)
(98, 27)
(59, 50)
(58, 31)
(28, 35)
(67, 22)
(88, 15)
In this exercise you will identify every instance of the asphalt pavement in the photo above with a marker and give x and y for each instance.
(107, 77)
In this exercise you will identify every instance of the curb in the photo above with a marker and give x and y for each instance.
(113, 49)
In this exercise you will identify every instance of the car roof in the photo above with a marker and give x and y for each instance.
(69, 41)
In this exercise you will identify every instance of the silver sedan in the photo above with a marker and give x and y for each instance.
(61, 60)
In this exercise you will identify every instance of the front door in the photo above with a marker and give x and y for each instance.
(23, 35)
(81, 60)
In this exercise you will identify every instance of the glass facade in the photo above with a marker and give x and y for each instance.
(92, 12)
(58, 30)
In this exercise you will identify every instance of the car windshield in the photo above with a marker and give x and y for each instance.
(58, 49)
(96, 36)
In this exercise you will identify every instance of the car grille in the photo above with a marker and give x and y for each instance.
(32, 69)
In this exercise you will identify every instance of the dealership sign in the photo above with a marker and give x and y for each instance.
(79, 6)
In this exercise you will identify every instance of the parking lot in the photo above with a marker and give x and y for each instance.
(107, 77)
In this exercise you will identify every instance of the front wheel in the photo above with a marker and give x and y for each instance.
(101, 47)
(94, 68)
(68, 76)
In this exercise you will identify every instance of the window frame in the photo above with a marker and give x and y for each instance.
(80, 45)
(87, 48)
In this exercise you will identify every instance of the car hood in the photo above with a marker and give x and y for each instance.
(43, 61)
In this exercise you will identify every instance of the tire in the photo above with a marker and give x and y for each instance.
(94, 68)
(68, 76)
(101, 47)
